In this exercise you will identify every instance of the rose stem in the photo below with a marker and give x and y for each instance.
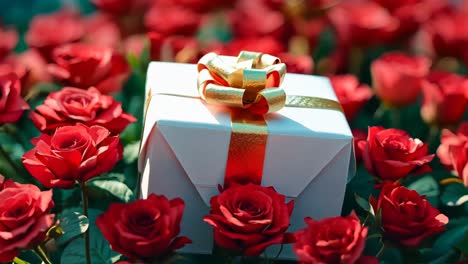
(41, 254)
(84, 197)
(396, 117)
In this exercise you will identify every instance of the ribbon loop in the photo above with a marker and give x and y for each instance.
(252, 83)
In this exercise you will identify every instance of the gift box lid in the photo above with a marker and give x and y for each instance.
(301, 141)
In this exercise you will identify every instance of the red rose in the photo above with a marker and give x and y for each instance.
(445, 98)
(267, 22)
(459, 158)
(448, 139)
(172, 20)
(448, 33)
(8, 40)
(411, 13)
(145, 228)
(359, 142)
(101, 30)
(362, 23)
(249, 218)
(30, 67)
(24, 217)
(12, 104)
(391, 154)
(174, 48)
(85, 65)
(52, 30)
(297, 63)
(397, 78)
(350, 93)
(71, 105)
(72, 154)
(407, 217)
(331, 240)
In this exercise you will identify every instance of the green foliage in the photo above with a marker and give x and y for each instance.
(73, 224)
(100, 249)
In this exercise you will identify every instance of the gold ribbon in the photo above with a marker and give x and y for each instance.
(251, 86)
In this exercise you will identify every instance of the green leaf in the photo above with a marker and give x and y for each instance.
(454, 195)
(450, 238)
(100, 250)
(73, 224)
(131, 152)
(463, 245)
(425, 186)
(363, 203)
(110, 188)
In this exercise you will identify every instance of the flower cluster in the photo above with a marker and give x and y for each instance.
(71, 108)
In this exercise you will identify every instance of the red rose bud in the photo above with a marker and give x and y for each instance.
(25, 217)
(52, 30)
(8, 40)
(302, 64)
(359, 142)
(445, 98)
(12, 104)
(174, 48)
(459, 157)
(397, 78)
(362, 23)
(85, 65)
(331, 240)
(350, 93)
(135, 44)
(71, 105)
(172, 20)
(249, 218)
(449, 139)
(72, 154)
(145, 228)
(391, 154)
(407, 217)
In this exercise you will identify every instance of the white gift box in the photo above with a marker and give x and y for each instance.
(185, 144)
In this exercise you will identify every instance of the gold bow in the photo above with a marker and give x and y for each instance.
(251, 83)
